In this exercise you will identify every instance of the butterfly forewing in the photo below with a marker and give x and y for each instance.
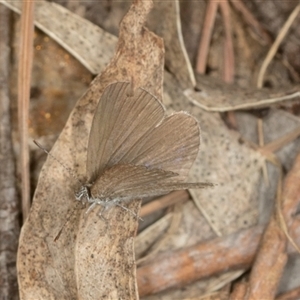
(119, 122)
(134, 130)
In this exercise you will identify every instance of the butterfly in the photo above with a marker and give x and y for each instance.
(135, 150)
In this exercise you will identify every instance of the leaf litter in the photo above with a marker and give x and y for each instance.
(213, 166)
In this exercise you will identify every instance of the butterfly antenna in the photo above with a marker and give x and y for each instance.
(70, 171)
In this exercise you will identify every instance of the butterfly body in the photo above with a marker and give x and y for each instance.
(84, 196)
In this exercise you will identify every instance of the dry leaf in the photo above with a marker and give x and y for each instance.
(216, 96)
(90, 44)
(59, 243)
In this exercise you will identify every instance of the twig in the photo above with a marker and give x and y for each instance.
(290, 201)
(275, 46)
(251, 20)
(210, 16)
(178, 268)
(235, 251)
(269, 264)
(163, 202)
(24, 77)
(228, 58)
(228, 53)
(282, 141)
(261, 142)
(272, 257)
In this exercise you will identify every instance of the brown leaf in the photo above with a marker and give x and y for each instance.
(216, 96)
(78, 36)
(59, 243)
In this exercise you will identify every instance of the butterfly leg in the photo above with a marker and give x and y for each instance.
(91, 207)
(101, 214)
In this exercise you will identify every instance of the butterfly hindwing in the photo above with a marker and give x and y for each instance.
(158, 189)
(121, 177)
(133, 182)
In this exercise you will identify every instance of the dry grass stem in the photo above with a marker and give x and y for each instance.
(250, 19)
(273, 50)
(228, 53)
(208, 25)
(282, 141)
(24, 79)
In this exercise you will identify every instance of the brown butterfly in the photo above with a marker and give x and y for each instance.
(135, 150)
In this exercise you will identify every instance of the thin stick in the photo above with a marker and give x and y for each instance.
(228, 52)
(228, 55)
(275, 46)
(249, 18)
(24, 78)
(282, 141)
(163, 202)
(210, 16)
(272, 256)
(178, 268)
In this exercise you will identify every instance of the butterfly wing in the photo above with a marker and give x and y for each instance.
(157, 189)
(122, 177)
(172, 146)
(119, 122)
(126, 182)
(134, 130)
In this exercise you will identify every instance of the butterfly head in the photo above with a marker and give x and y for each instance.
(84, 194)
